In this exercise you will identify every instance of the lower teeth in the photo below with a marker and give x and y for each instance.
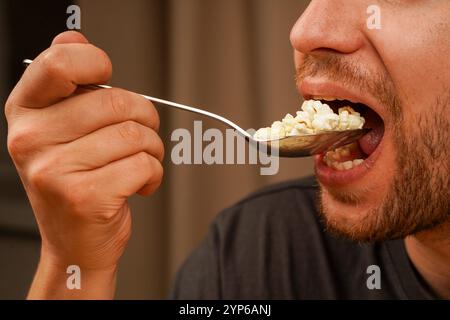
(336, 159)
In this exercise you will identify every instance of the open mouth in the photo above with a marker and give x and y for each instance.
(350, 161)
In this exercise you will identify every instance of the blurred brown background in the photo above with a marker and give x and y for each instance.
(230, 57)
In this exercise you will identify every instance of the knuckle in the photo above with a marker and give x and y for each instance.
(118, 102)
(8, 109)
(153, 167)
(143, 160)
(131, 132)
(39, 176)
(44, 173)
(54, 61)
(19, 142)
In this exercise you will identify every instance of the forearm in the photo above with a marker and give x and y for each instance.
(51, 282)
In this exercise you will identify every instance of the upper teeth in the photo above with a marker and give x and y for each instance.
(330, 98)
(326, 98)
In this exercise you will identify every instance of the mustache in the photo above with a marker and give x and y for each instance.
(352, 74)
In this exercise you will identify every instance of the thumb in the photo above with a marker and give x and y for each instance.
(69, 37)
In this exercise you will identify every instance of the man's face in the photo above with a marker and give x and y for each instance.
(401, 76)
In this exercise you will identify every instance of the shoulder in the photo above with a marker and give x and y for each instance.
(248, 241)
(265, 239)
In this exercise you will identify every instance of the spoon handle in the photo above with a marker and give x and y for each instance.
(229, 123)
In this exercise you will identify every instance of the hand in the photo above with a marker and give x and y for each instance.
(81, 154)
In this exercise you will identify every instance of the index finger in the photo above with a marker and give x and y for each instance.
(57, 71)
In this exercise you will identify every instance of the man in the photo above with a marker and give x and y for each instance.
(81, 154)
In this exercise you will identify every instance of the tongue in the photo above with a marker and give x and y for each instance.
(370, 141)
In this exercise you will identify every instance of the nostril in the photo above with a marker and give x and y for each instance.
(325, 51)
(327, 26)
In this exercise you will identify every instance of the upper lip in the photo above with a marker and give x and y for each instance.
(311, 87)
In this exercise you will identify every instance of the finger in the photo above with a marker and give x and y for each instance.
(150, 187)
(57, 71)
(110, 144)
(77, 116)
(69, 37)
(138, 173)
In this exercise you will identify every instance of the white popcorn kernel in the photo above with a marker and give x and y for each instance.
(325, 122)
(288, 117)
(355, 122)
(343, 120)
(263, 134)
(277, 125)
(277, 132)
(350, 119)
(304, 117)
(294, 132)
(317, 105)
(289, 122)
(300, 129)
(324, 109)
(308, 107)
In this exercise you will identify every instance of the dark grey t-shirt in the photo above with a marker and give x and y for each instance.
(272, 245)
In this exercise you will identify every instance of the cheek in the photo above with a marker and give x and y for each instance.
(415, 48)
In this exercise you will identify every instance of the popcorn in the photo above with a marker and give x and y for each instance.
(304, 117)
(325, 122)
(263, 134)
(314, 117)
(350, 119)
(289, 122)
(277, 131)
(300, 129)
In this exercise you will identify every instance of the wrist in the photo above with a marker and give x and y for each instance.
(59, 279)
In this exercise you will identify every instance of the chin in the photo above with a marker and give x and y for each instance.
(346, 216)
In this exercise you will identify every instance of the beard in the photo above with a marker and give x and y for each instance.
(418, 196)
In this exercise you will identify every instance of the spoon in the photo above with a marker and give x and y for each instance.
(292, 146)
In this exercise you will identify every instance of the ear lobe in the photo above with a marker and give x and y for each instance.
(69, 37)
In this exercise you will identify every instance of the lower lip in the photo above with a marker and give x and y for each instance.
(335, 178)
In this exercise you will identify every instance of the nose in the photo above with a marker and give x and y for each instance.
(329, 25)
